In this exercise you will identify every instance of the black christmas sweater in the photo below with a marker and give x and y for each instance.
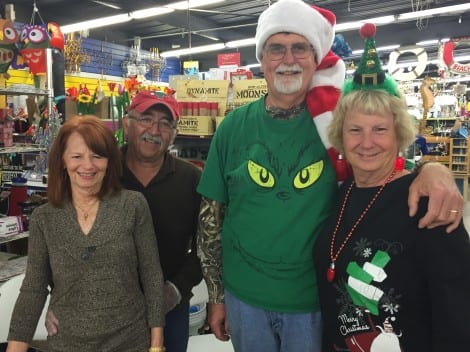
(397, 287)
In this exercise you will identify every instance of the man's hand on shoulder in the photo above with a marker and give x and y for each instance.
(445, 200)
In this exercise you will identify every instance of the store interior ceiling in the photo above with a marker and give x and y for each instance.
(230, 20)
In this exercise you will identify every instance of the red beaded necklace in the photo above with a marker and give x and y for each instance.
(330, 272)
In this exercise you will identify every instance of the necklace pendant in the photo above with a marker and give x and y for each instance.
(330, 272)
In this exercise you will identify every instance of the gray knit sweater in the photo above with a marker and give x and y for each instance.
(107, 285)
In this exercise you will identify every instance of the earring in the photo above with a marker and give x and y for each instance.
(341, 168)
(400, 162)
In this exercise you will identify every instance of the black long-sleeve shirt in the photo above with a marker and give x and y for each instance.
(397, 287)
(174, 204)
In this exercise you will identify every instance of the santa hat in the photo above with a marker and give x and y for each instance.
(295, 16)
(325, 90)
(317, 26)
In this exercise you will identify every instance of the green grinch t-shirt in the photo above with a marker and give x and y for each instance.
(279, 185)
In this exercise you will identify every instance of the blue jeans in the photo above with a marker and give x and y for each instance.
(255, 329)
(176, 332)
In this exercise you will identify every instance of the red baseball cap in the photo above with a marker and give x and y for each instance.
(145, 99)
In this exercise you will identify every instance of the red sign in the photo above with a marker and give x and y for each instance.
(228, 59)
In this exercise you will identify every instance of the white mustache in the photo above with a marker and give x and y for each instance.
(289, 68)
(151, 139)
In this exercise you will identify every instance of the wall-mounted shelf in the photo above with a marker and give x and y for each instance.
(459, 156)
(22, 148)
(24, 91)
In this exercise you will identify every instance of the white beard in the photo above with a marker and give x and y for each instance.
(288, 84)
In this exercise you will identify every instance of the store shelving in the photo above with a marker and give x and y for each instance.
(22, 148)
(459, 160)
(18, 236)
(439, 149)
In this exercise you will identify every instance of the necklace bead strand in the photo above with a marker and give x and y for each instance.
(330, 272)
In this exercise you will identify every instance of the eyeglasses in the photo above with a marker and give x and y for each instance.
(276, 52)
(147, 122)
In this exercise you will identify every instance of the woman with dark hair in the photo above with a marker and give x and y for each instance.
(94, 245)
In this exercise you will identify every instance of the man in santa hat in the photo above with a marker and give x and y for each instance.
(269, 184)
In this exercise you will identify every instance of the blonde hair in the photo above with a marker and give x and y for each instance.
(373, 101)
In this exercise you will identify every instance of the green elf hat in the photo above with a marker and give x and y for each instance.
(369, 74)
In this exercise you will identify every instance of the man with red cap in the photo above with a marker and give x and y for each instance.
(269, 184)
(169, 185)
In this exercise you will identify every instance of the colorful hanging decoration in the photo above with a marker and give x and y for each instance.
(156, 63)
(34, 40)
(8, 45)
(74, 54)
(56, 36)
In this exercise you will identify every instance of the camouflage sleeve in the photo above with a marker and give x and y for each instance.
(209, 247)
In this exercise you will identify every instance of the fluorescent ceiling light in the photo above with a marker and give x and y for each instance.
(406, 64)
(206, 36)
(183, 5)
(379, 49)
(99, 22)
(193, 50)
(107, 4)
(240, 43)
(347, 26)
(428, 42)
(151, 12)
(446, 10)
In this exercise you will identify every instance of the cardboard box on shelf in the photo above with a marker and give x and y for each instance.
(204, 91)
(196, 126)
(247, 91)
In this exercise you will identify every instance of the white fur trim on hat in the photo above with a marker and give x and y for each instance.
(295, 16)
(331, 76)
(322, 122)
